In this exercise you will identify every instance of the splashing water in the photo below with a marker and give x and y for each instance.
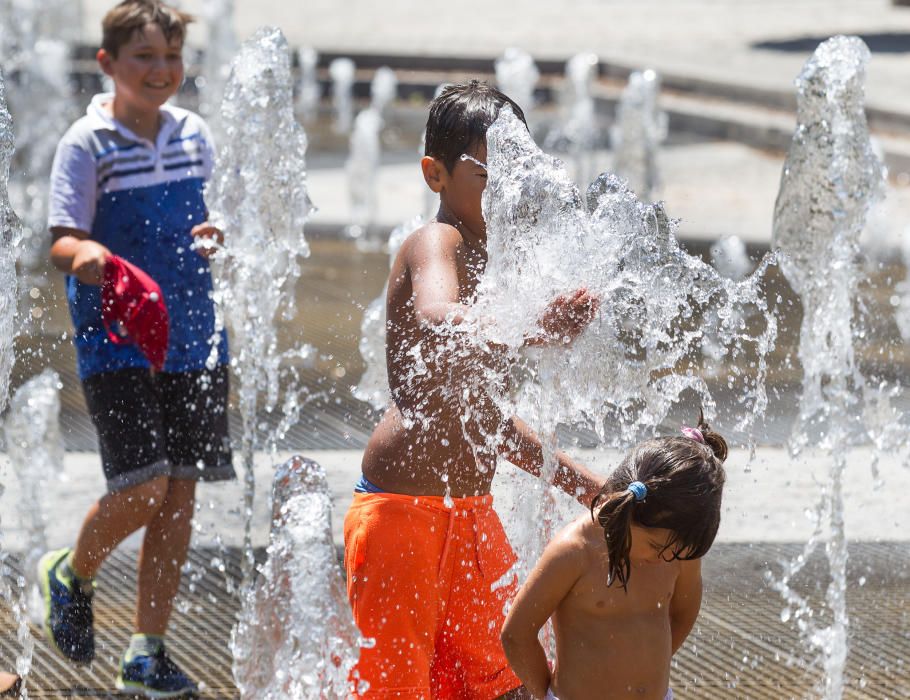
(35, 449)
(308, 89)
(830, 179)
(639, 355)
(10, 237)
(636, 136)
(296, 636)
(258, 198)
(35, 46)
(341, 71)
(517, 76)
(730, 259)
(220, 47)
(577, 133)
(373, 386)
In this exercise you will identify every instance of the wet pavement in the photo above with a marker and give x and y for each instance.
(739, 647)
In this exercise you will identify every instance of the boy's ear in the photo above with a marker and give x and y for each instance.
(434, 172)
(104, 60)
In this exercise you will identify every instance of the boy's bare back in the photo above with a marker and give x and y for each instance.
(420, 446)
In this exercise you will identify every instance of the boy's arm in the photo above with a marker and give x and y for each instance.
(74, 253)
(71, 210)
(432, 264)
(686, 601)
(560, 566)
(523, 448)
(434, 279)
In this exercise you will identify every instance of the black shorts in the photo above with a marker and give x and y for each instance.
(163, 424)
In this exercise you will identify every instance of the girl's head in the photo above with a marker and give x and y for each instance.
(672, 483)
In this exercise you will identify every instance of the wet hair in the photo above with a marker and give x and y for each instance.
(684, 480)
(459, 119)
(131, 16)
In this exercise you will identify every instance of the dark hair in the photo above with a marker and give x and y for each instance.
(684, 480)
(459, 119)
(131, 16)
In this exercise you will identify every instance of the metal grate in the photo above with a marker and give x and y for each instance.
(739, 648)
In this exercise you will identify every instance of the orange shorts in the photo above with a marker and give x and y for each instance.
(429, 584)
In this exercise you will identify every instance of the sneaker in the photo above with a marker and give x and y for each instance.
(154, 676)
(67, 609)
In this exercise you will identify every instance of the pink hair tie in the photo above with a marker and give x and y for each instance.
(693, 433)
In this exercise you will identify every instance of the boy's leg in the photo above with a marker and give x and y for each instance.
(164, 549)
(392, 555)
(112, 519)
(125, 411)
(124, 408)
(194, 416)
(482, 585)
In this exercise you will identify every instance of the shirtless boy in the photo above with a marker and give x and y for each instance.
(424, 551)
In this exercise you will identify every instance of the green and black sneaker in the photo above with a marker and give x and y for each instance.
(68, 621)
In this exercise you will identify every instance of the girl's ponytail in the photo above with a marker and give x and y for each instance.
(713, 440)
(615, 517)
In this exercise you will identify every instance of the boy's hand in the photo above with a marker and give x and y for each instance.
(207, 239)
(89, 260)
(567, 316)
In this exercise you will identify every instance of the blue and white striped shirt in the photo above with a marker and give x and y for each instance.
(139, 199)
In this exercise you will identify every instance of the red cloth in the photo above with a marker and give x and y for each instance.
(132, 302)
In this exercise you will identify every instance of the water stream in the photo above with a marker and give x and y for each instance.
(296, 637)
(10, 238)
(35, 449)
(258, 198)
(831, 178)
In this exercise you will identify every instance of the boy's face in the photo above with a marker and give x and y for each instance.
(147, 70)
(462, 189)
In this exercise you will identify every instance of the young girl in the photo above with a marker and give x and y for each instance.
(622, 610)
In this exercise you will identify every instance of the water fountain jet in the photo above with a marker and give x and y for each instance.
(10, 238)
(35, 449)
(341, 71)
(296, 637)
(636, 136)
(258, 198)
(830, 179)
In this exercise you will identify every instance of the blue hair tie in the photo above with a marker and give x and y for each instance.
(639, 490)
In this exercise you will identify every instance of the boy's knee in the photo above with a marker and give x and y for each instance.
(149, 495)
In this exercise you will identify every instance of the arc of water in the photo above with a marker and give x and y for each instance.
(641, 353)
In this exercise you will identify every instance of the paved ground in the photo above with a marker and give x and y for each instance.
(739, 647)
(758, 43)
